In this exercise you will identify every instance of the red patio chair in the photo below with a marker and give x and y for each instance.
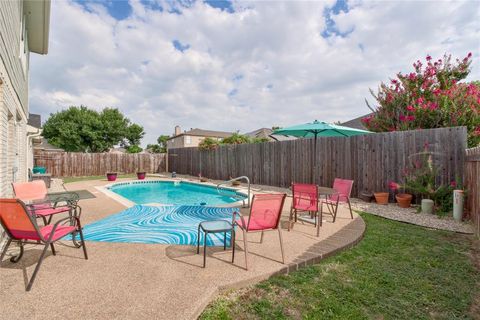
(265, 212)
(343, 190)
(304, 199)
(21, 227)
(37, 190)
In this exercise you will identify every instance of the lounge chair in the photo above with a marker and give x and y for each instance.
(265, 212)
(21, 227)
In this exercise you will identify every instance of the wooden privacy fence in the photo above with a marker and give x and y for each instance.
(75, 164)
(370, 160)
(472, 185)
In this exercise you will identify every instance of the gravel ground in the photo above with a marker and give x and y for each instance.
(410, 215)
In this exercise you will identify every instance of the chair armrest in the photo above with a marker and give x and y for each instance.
(55, 226)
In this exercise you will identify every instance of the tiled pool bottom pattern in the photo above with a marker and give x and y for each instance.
(161, 225)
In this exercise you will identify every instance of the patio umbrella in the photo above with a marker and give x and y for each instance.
(319, 129)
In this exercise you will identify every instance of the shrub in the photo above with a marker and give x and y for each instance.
(429, 97)
(208, 144)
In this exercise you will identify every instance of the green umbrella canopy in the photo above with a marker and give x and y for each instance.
(319, 129)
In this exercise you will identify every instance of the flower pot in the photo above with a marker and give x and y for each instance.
(203, 179)
(236, 183)
(366, 196)
(404, 200)
(381, 197)
(111, 176)
(427, 206)
(141, 175)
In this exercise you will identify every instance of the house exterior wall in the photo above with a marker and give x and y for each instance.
(14, 69)
(185, 141)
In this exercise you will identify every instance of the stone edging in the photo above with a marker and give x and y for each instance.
(346, 238)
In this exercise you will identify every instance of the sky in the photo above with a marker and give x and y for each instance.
(240, 65)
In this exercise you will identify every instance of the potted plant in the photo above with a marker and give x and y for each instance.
(111, 176)
(235, 183)
(141, 174)
(404, 199)
(201, 178)
(381, 197)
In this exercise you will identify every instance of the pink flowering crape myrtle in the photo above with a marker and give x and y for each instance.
(432, 96)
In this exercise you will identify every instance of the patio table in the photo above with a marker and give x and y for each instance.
(322, 191)
(63, 198)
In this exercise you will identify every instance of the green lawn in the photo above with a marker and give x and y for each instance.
(398, 271)
(104, 177)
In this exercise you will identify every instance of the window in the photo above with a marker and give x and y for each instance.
(188, 140)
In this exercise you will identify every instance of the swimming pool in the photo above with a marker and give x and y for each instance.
(158, 225)
(175, 193)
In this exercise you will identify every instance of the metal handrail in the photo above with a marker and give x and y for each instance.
(237, 179)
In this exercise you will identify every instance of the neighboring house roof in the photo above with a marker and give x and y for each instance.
(278, 137)
(356, 123)
(37, 14)
(35, 120)
(267, 133)
(260, 133)
(117, 150)
(44, 145)
(204, 133)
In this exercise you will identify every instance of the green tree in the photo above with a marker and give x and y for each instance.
(133, 135)
(162, 142)
(208, 144)
(236, 138)
(134, 149)
(114, 125)
(80, 129)
(154, 148)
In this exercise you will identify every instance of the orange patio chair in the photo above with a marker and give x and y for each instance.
(21, 227)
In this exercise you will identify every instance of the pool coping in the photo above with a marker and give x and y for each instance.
(128, 203)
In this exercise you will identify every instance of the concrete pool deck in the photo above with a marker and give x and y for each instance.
(153, 281)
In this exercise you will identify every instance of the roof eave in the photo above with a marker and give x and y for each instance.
(37, 13)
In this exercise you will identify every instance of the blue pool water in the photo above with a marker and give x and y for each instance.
(175, 193)
(163, 224)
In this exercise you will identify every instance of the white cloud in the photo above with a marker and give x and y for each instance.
(265, 64)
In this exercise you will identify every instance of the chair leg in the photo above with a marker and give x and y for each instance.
(245, 245)
(53, 249)
(83, 241)
(350, 207)
(232, 243)
(225, 240)
(261, 237)
(335, 213)
(17, 258)
(321, 214)
(318, 229)
(198, 240)
(4, 252)
(290, 218)
(205, 248)
(281, 244)
(39, 263)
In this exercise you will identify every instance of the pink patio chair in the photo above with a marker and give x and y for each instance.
(304, 199)
(265, 213)
(343, 189)
(37, 190)
(22, 228)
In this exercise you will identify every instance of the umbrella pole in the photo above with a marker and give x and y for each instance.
(314, 164)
